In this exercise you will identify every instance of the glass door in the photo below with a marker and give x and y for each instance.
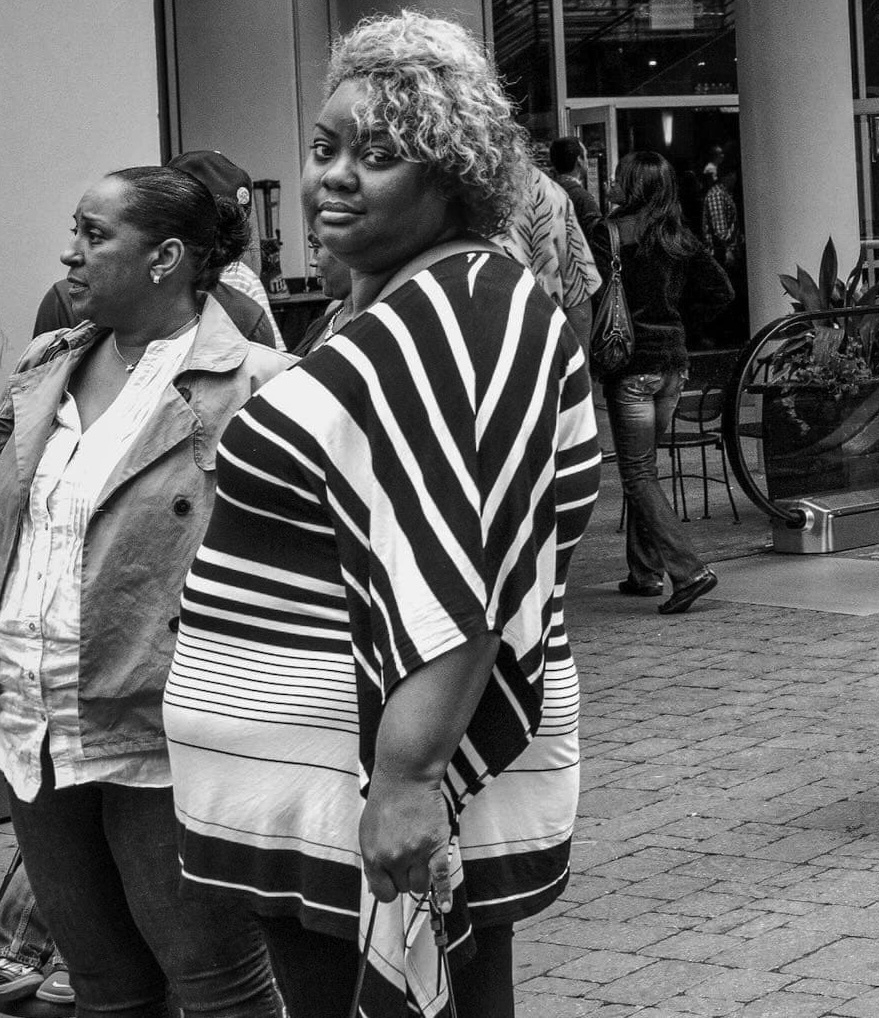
(596, 127)
(865, 73)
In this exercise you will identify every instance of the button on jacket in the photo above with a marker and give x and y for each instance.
(150, 518)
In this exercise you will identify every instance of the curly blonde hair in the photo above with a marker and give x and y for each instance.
(430, 86)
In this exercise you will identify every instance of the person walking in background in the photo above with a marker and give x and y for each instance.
(108, 437)
(372, 634)
(720, 218)
(723, 236)
(664, 268)
(712, 166)
(543, 235)
(569, 160)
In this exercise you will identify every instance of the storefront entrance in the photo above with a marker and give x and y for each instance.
(685, 129)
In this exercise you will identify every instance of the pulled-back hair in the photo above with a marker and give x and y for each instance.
(430, 86)
(163, 202)
(649, 189)
(564, 153)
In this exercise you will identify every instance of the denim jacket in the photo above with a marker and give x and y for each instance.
(149, 521)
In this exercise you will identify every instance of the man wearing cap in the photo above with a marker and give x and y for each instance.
(223, 178)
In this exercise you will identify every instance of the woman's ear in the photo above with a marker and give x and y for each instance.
(166, 258)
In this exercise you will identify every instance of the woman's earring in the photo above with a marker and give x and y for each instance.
(156, 278)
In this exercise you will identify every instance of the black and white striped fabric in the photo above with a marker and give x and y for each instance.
(423, 477)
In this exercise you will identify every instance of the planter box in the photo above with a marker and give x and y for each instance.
(815, 444)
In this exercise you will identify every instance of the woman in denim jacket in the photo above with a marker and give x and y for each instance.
(108, 435)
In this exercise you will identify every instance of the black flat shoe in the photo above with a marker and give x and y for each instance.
(632, 589)
(681, 599)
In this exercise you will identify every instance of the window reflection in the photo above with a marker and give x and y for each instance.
(651, 47)
(522, 51)
(865, 46)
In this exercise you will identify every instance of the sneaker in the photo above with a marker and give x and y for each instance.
(17, 980)
(56, 987)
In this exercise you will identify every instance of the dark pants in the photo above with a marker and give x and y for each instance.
(317, 974)
(102, 860)
(640, 408)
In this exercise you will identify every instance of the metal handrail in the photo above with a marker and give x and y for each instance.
(751, 361)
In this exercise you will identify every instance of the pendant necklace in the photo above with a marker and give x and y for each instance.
(330, 330)
(331, 327)
(131, 365)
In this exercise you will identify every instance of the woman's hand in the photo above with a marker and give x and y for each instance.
(404, 830)
(404, 840)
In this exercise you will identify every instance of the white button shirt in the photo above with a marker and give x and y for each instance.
(40, 607)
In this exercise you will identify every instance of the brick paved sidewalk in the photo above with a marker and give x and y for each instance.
(726, 857)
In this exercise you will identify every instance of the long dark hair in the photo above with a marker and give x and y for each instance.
(163, 202)
(650, 191)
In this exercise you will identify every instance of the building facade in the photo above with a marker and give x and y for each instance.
(792, 85)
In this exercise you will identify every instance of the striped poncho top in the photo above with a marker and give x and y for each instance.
(420, 479)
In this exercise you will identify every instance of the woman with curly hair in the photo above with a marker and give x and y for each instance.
(372, 693)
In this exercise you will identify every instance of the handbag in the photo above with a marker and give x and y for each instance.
(437, 924)
(613, 336)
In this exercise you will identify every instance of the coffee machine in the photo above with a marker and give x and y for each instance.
(267, 198)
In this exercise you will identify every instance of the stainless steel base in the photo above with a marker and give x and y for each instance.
(833, 523)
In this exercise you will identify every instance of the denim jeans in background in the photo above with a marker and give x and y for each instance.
(24, 936)
(103, 863)
(640, 408)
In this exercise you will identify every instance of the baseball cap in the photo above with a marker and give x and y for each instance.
(219, 175)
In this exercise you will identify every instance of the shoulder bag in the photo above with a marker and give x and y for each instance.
(613, 336)
(441, 938)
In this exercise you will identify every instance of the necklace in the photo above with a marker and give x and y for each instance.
(131, 365)
(331, 325)
(330, 330)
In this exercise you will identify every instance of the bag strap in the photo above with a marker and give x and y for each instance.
(364, 960)
(613, 231)
(441, 938)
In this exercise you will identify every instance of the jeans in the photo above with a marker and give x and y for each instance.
(640, 408)
(24, 936)
(317, 973)
(103, 863)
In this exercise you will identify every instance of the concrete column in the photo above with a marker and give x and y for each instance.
(797, 136)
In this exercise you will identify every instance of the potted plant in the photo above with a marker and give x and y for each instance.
(821, 401)
(835, 355)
